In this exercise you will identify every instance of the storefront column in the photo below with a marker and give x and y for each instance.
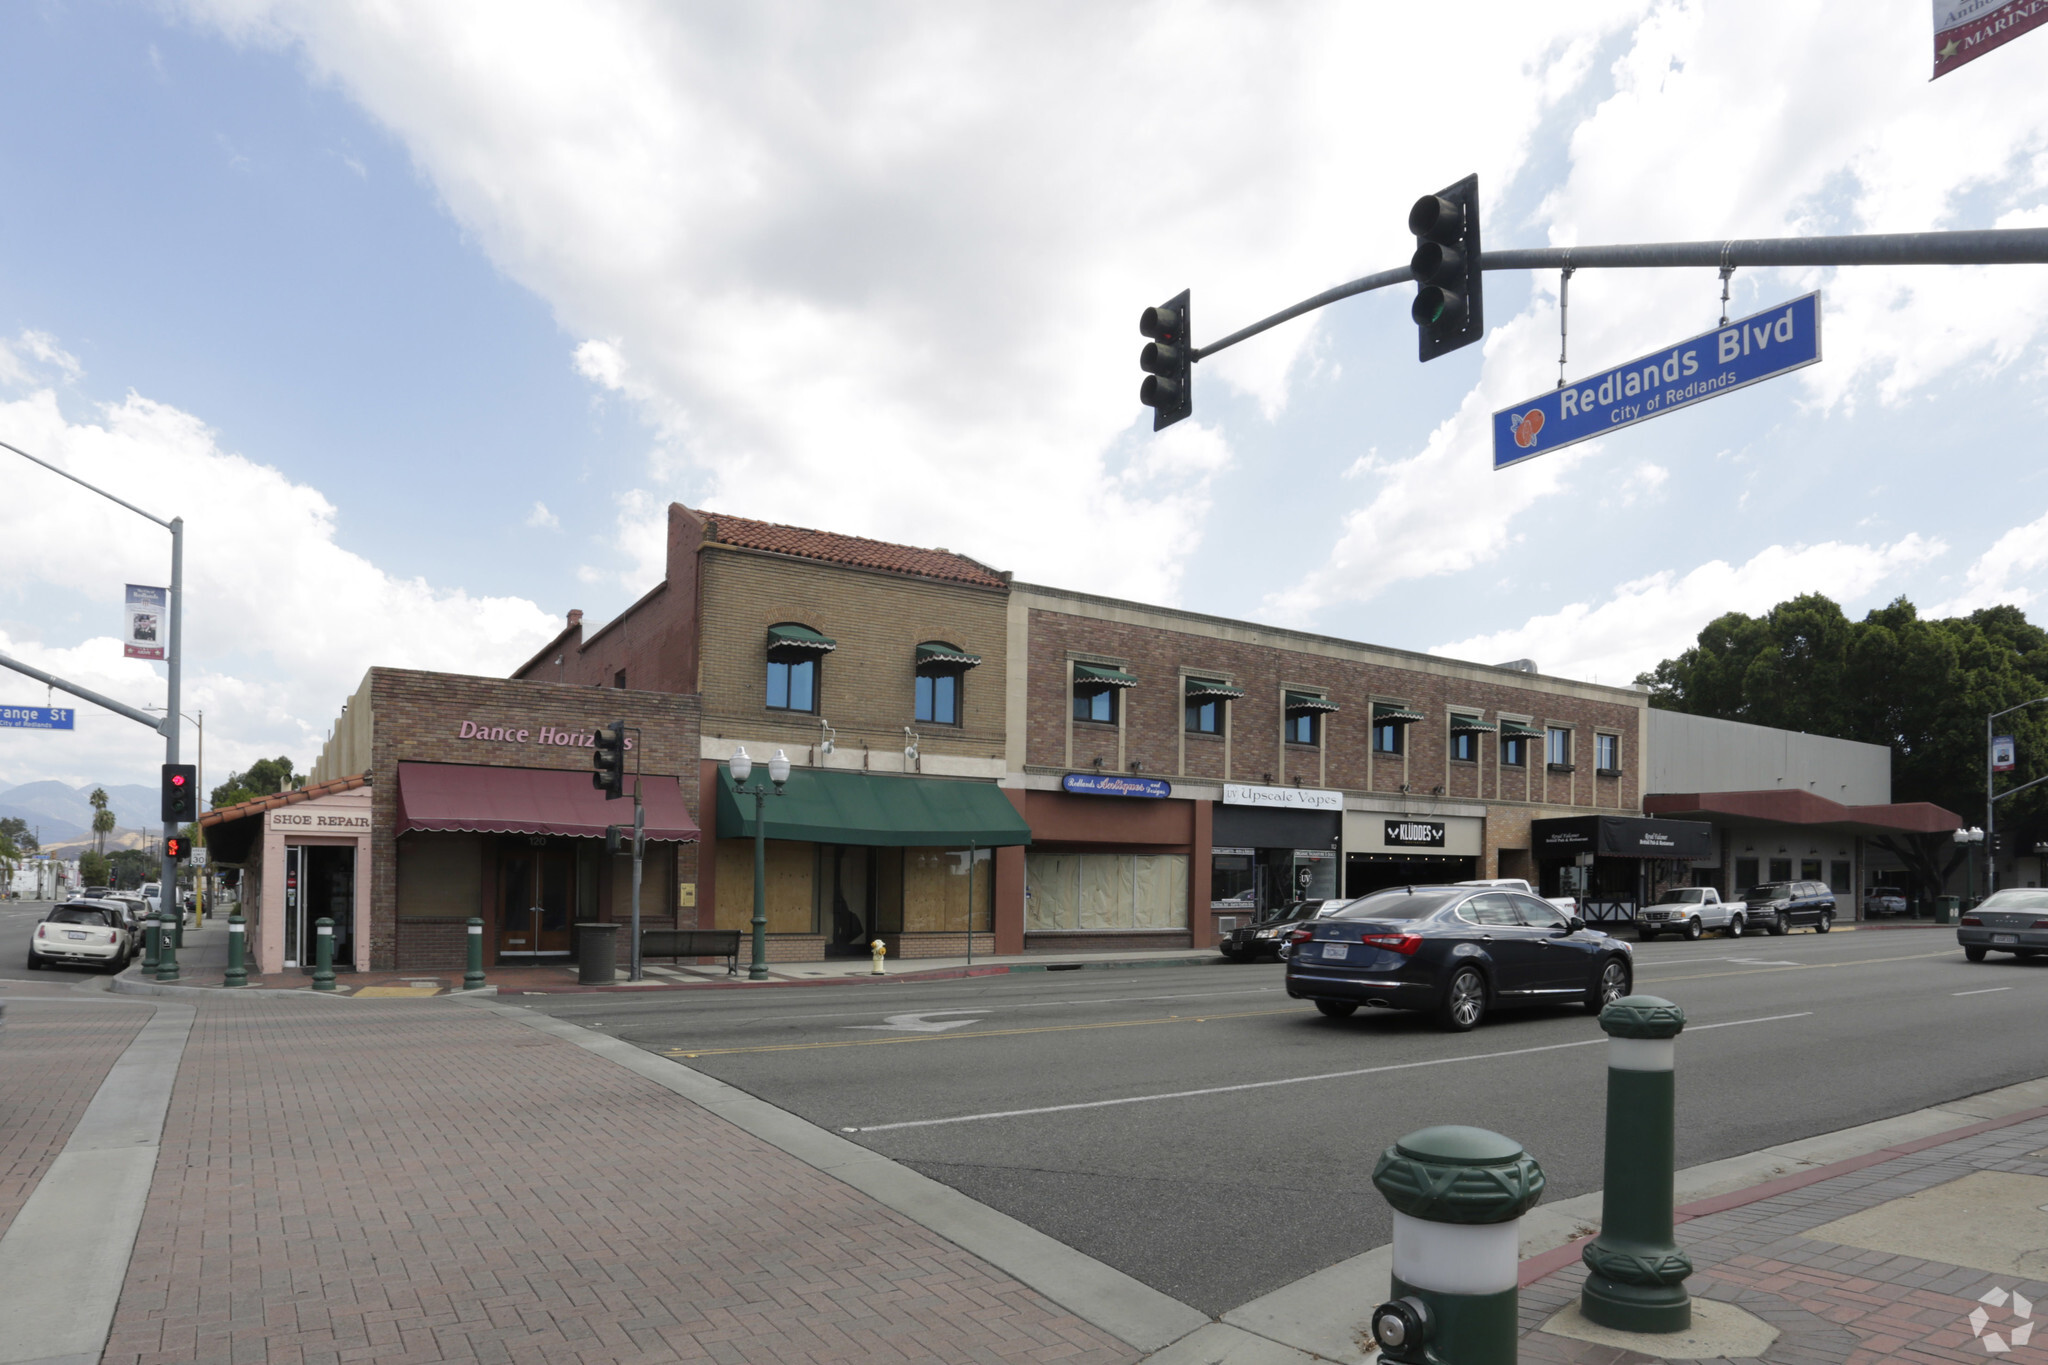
(1009, 916)
(1200, 865)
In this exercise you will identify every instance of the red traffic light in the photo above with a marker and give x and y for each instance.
(177, 779)
(178, 847)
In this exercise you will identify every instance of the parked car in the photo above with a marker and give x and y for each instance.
(1691, 911)
(1268, 937)
(1778, 907)
(1884, 900)
(131, 908)
(80, 931)
(1455, 951)
(1565, 904)
(2014, 921)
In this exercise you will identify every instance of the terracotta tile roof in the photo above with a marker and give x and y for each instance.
(256, 805)
(854, 550)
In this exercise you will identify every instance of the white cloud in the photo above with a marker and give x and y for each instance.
(540, 518)
(2001, 574)
(1659, 616)
(280, 619)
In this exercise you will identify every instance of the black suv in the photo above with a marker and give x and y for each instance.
(1779, 906)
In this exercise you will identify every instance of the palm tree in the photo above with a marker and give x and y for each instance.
(102, 819)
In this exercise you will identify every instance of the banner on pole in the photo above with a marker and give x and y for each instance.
(1965, 30)
(144, 637)
(2003, 756)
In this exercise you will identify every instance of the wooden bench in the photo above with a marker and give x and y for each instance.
(675, 944)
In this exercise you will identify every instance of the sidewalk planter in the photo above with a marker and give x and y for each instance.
(1458, 1196)
(1636, 1273)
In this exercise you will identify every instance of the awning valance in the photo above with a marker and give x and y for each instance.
(1297, 702)
(1386, 713)
(482, 800)
(800, 637)
(1514, 729)
(1103, 677)
(934, 654)
(1471, 725)
(827, 806)
(1211, 689)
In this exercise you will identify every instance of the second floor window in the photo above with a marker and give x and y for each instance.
(1465, 746)
(1301, 729)
(1386, 737)
(1305, 712)
(941, 679)
(1558, 747)
(1607, 749)
(1514, 751)
(1205, 717)
(794, 652)
(1205, 699)
(1096, 689)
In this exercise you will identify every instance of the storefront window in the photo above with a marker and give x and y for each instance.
(792, 872)
(1809, 869)
(1204, 717)
(1838, 877)
(1745, 874)
(938, 698)
(1073, 892)
(1301, 728)
(937, 888)
(1233, 875)
(1781, 869)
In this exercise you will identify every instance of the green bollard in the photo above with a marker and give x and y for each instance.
(1636, 1273)
(177, 914)
(323, 954)
(238, 973)
(166, 951)
(1458, 1195)
(473, 979)
(149, 945)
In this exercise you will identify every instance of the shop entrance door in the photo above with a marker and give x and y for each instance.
(536, 903)
(319, 882)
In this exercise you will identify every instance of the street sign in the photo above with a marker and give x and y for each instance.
(2003, 757)
(37, 717)
(1748, 350)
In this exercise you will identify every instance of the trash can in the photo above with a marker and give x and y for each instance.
(1947, 909)
(597, 954)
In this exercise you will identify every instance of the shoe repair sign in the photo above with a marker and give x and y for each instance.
(1746, 351)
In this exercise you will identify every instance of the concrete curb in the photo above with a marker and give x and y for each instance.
(73, 1238)
(889, 979)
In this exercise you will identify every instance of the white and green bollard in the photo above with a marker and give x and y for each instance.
(1458, 1195)
(1636, 1273)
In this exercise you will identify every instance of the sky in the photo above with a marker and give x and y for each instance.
(420, 314)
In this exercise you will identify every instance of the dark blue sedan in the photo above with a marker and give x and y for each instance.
(1456, 952)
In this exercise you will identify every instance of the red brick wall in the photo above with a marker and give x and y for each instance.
(655, 641)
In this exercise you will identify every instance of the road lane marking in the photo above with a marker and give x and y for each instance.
(1801, 967)
(909, 989)
(926, 1022)
(1285, 1080)
(1986, 991)
(950, 1037)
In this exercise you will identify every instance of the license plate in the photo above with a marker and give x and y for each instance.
(2005, 938)
(73, 933)
(1336, 950)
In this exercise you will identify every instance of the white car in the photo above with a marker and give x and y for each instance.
(1691, 911)
(1564, 903)
(80, 931)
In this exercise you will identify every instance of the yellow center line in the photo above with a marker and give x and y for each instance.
(1797, 967)
(983, 1033)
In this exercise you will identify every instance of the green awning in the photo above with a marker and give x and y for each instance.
(1297, 702)
(1211, 689)
(1384, 713)
(800, 637)
(946, 655)
(1103, 677)
(831, 806)
(1514, 729)
(1471, 725)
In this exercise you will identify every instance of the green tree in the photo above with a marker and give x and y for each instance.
(102, 819)
(16, 831)
(131, 867)
(93, 868)
(265, 777)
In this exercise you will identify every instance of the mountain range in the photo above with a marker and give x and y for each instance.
(59, 813)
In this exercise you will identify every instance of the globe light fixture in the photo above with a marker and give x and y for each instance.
(742, 765)
(778, 768)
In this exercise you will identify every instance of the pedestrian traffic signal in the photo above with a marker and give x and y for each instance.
(609, 758)
(1168, 362)
(178, 847)
(181, 794)
(1447, 311)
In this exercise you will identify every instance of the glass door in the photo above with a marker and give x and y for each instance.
(536, 902)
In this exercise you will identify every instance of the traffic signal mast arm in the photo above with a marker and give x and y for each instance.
(160, 724)
(1988, 246)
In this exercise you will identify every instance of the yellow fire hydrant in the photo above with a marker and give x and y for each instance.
(880, 950)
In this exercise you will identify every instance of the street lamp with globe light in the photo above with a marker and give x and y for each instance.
(778, 773)
(1967, 837)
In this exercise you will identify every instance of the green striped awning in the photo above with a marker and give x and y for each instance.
(1103, 677)
(1514, 729)
(1386, 713)
(1211, 689)
(937, 652)
(1298, 702)
(836, 806)
(800, 637)
(1471, 725)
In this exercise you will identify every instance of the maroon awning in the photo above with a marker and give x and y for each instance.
(1792, 806)
(480, 800)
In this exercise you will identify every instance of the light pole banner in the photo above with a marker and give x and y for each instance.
(2003, 757)
(144, 636)
(1965, 30)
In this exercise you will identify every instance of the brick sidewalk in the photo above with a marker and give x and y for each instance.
(55, 1058)
(1847, 1304)
(419, 1181)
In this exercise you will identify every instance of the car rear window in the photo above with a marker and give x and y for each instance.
(2016, 898)
(81, 914)
(1776, 891)
(1400, 903)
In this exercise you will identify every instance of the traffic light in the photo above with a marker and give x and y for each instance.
(1167, 361)
(609, 758)
(181, 794)
(614, 839)
(1447, 311)
(178, 847)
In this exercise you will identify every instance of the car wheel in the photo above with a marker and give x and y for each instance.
(1974, 953)
(1336, 1009)
(1464, 1001)
(1231, 955)
(1824, 923)
(1735, 927)
(35, 964)
(1781, 925)
(1692, 930)
(1613, 984)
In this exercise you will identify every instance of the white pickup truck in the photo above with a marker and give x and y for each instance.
(1691, 911)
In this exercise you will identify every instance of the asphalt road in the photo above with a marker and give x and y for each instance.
(18, 920)
(1135, 1114)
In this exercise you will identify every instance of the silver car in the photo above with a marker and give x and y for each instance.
(2011, 921)
(1691, 911)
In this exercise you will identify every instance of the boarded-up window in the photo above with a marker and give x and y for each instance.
(936, 889)
(1105, 891)
(790, 866)
(440, 876)
(655, 866)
